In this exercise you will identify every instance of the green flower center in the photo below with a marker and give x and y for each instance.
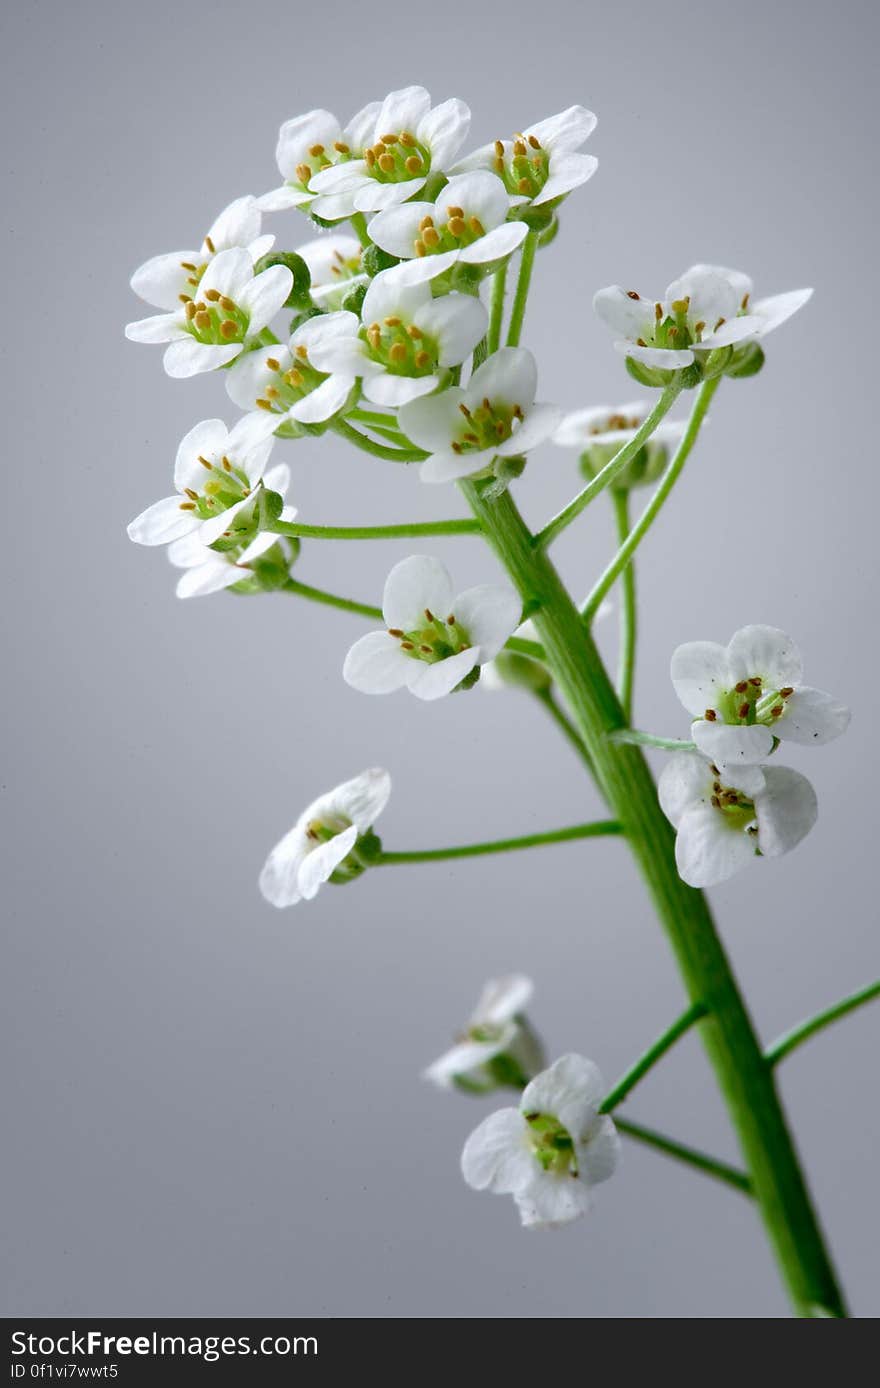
(491, 423)
(551, 1144)
(215, 319)
(676, 327)
(397, 158)
(224, 486)
(320, 831)
(749, 703)
(320, 158)
(457, 231)
(738, 810)
(437, 640)
(402, 348)
(525, 170)
(288, 385)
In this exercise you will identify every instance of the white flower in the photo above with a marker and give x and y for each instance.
(166, 281)
(323, 844)
(209, 570)
(725, 817)
(495, 415)
(232, 307)
(549, 1152)
(708, 307)
(749, 692)
(410, 140)
(404, 341)
(467, 225)
(498, 1046)
(284, 381)
(598, 433)
(433, 640)
(217, 474)
(540, 165)
(309, 144)
(334, 262)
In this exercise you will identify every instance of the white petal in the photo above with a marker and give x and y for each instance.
(277, 479)
(163, 279)
(212, 576)
(373, 197)
(322, 862)
(262, 542)
(734, 330)
(237, 225)
(812, 717)
(229, 273)
(363, 798)
(567, 172)
(296, 137)
(567, 130)
(479, 194)
(264, 296)
(708, 850)
(502, 999)
(552, 1200)
(161, 327)
(401, 111)
(779, 307)
(359, 130)
(700, 672)
(710, 291)
(214, 528)
(444, 131)
(282, 199)
(423, 269)
(466, 1057)
(538, 425)
(248, 378)
(324, 328)
(436, 681)
(397, 229)
(433, 421)
(666, 358)
(482, 158)
(495, 245)
(323, 252)
(729, 745)
(740, 283)
(571, 1090)
(250, 442)
(456, 322)
(393, 391)
(787, 811)
(334, 207)
(764, 651)
(449, 467)
(161, 523)
(279, 876)
(189, 358)
(388, 295)
(325, 401)
(375, 664)
(489, 614)
(188, 551)
(259, 247)
(208, 438)
(598, 1156)
(509, 375)
(346, 356)
(496, 1156)
(630, 318)
(685, 781)
(415, 584)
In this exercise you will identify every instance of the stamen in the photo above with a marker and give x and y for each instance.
(212, 295)
(273, 363)
(210, 244)
(743, 710)
(710, 715)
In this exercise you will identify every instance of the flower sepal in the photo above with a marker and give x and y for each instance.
(653, 376)
(504, 471)
(745, 361)
(366, 850)
(538, 218)
(522, 672)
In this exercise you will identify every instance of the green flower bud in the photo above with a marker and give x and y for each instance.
(302, 279)
(304, 317)
(374, 260)
(651, 376)
(746, 360)
(354, 299)
(522, 672)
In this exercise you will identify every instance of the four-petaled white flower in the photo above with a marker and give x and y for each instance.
(231, 307)
(550, 1152)
(724, 817)
(498, 1045)
(541, 164)
(467, 225)
(746, 694)
(707, 308)
(433, 641)
(167, 281)
(218, 475)
(284, 382)
(404, 341)
(334, 262)
(410, 140)
(597, 433)
(323, 844)
(309, 144)
(494, 415)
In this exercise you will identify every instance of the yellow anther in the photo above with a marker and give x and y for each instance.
(406, 139)
(273, 363)
(303, 173)
(227, 466)
(745, 302)
(431, 236)
(524, 186)
(658, 309)
(316, 151)
(392, 322)
(185, 265)
(499, 164)
(720, 322)
(341, 148)
(499, 149)
(680, 305)
(415, 333)
(476, 226)
(397, 352)
(271, 393)
(193, 496)
(389, 139)
(263, 404)
(204, 462)
(302, 352)
(519, 147)
(184, 298)
(413, 164)
(187, 506)
(228, 329)
(422, 359)
(294, 378)
(202, 320)
(210, 244)
(419, 247)
(455, 211)
(455, 226)
(227, 304)
(386, 163)
(212, 295)
(534, 142)
(369, 158)
(425, 223)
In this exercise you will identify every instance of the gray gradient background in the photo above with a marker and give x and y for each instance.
(215, 1108)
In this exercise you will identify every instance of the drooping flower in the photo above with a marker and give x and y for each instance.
(707, 308)
(310, 144)
(598, 433)
(746, 694)
(498, 1046)
(218, 475)
(325, 842)
(467, 225)
(541, 164)
(434, 642)
(404, 341)
(409, 141)
(724, 817)
(232, 307)
(495, 415)
(284, 382)
(550, 1151)
(334, 262)
(167, 281)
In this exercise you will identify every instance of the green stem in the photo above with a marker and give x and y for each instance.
(626, 657)
(640, 739)
(304, 590)
(496, 308)
(744, 1077)
(374, 532)
(655, 505)
(710, 1166)
(597, 829)
(520, 298)
(804, 1030)
(649, 1058)
(378, 450)
(610, 471)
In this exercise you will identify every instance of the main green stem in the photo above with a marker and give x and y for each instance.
(744, 1076)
